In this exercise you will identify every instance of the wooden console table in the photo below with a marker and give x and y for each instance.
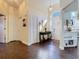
(44, 35)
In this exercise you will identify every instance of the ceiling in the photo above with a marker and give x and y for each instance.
(14, 3)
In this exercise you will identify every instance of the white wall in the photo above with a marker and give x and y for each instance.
(39, 7)
(57, 23)
(72, 7)
(65, 3)
(37, 11)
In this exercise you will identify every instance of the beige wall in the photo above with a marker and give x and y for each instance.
(23, 31)
(8, 12)
(14, 16)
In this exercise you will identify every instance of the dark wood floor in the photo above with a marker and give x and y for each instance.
(47, 50)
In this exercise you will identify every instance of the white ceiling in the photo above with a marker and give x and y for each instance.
(14, 3)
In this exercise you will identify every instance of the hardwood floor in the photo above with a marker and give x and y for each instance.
(47, 50)
(70, 53)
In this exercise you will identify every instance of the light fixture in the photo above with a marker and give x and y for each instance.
(14, 3)
(50, 6)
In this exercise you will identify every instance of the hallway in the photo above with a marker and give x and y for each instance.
(47, 50)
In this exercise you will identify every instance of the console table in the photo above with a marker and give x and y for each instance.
(44, 35)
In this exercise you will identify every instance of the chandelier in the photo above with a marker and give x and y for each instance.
(14, 3)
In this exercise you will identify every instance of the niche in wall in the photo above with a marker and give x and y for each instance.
(24, 21)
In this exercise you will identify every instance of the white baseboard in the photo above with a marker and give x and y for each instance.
(61, 48)
(30, 43)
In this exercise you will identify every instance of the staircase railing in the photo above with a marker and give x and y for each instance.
(69, 2)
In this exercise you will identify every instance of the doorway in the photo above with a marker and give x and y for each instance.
(2, 28)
